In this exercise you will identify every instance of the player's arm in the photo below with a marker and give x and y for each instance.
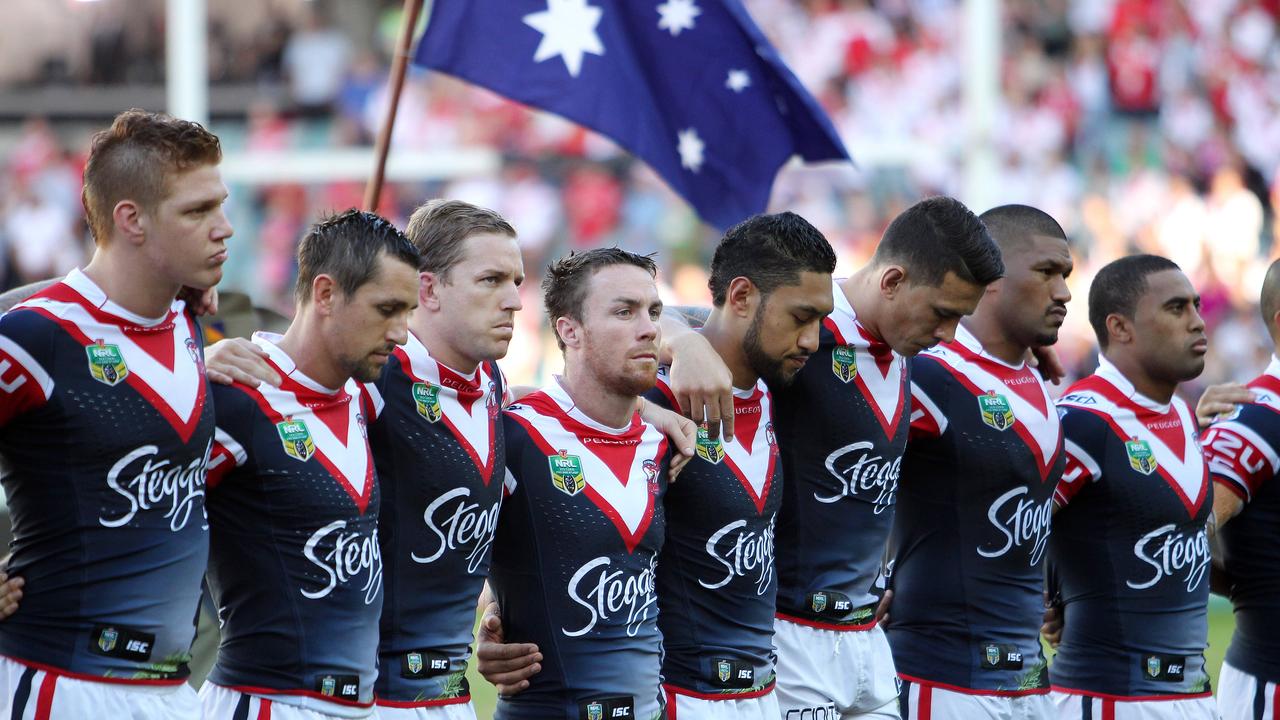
(700, 380)
(237, 360)
(507, 666)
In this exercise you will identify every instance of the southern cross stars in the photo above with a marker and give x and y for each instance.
(690, 148)
(568, 29)
(677, 15)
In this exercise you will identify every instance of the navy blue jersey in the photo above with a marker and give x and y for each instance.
(575, 559)
(439, 450)
(106, 427)
(842, 427)
(1129, 544)
(973, 522)
(716, 583)
(1241, 449)
(295, 567)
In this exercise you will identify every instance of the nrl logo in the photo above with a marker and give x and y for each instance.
(996, 412)
(107, 640)
(819, 602)
(1140, 456)
(106, 363)
(566, 473)
(327, 685)
(724, 670)
(844, 362)
(296, 439)
(993, 654)
(710, 450)
(427, 399)
(595, 711)
(1153, 666)
(415, 662)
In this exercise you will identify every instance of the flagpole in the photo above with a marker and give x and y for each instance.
(399, 63)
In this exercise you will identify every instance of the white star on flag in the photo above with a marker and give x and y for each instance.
(678, 15)
(738, 80)
(568, 29)
(690, 149)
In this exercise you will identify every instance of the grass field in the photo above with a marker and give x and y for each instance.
(1221, 625)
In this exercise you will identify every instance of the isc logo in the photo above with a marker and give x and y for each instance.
(843, 605)
(138, 646)
(621, 712)
(1173, 669)
(744, 674)
(349, 689)
(1014, 657)
(439, 664)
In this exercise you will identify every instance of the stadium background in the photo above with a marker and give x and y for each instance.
(1142, 125)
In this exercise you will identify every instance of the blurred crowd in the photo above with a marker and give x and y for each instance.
(1142, 125)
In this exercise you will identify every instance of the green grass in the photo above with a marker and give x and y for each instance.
(1221, 625)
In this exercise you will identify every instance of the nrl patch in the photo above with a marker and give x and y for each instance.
(1140, 456)
(106, 363)
(107, 639)
(710, 450)
(595, 711)
(566, 473)
(296, 439)
(1153, 666)
(427, 399)
(996, 411)
(844, 362)
(819, 602)
(724, 670)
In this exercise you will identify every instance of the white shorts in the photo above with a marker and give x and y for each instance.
(452, 711)
(921, 701)
(1085, 707)
(30, 694)
(688, 707)
(1242, 696)
(223, 703)
(834, 674)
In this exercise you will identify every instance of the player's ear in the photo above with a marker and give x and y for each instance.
(892, 280)
(570, 331)
(741, 297)
(1119, 329)
(429, 290)
(128, 219)
(324, 294)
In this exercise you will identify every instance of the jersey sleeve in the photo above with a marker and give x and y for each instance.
(1083, 440)
(235, 413)
(928, 386)
(1241, 450)
(26, 354)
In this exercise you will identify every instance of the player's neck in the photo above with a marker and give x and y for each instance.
(993, 338)
(727, 342)
(1131, 368)
(595, 400)
(430, 333)
(862, 290)
(304, 344)
(141, 293)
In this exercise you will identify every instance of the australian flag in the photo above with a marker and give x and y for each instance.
(692, 87)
